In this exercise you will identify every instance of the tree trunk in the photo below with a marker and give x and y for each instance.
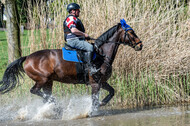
(1, 15)
(13, 30)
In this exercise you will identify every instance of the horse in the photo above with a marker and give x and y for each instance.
(46, 66)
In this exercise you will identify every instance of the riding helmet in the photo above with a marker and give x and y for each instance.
(72, 6)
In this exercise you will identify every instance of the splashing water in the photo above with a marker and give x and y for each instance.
(77, 108)
(22, 113)
(74, 108)
(45, 112)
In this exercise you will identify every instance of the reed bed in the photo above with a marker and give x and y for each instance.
(156, 75)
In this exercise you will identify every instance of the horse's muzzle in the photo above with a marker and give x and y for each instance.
(138, 47)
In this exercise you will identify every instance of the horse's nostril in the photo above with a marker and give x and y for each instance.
(138, 47)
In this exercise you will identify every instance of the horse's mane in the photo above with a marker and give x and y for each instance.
(106, 35)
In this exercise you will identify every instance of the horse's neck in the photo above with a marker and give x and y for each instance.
(110, 49)
(110, 55)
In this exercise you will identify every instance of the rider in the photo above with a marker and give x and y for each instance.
(75, 35)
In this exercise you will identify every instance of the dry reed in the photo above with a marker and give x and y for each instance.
(163, 27)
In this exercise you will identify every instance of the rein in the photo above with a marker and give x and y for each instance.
(107, 41)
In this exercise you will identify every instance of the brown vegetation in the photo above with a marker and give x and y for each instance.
(163, 27)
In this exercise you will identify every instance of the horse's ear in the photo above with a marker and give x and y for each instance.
(118, 26)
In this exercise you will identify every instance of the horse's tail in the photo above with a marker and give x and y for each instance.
(11, 75)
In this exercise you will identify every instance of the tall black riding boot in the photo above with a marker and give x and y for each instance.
(92, 68)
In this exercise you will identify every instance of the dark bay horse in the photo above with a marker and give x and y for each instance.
(46, 66)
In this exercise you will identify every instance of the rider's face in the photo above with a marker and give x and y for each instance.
(76, 12)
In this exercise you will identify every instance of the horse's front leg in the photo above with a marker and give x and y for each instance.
(95, 95)
(107, 87)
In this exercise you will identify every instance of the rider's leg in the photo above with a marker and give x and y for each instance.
(84, 45)
(80, 44)
(90, 65)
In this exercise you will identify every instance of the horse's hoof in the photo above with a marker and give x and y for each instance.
(102, 103)
(51, 100)
(93, 114)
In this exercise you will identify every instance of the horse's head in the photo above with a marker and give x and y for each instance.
(129, 37)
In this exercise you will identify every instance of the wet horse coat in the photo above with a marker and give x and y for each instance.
(46, 66)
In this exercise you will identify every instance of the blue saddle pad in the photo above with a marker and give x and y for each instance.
(70, 55)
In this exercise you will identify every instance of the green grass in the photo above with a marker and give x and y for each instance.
(4, 49)
(130, 92)
(3, 52)
(147, 91)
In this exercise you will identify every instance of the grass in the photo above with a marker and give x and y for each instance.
(4, 49)
(4, 52)
(156, 75)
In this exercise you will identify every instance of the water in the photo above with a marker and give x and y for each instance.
(75, 110)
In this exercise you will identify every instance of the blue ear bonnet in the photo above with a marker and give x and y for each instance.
(124, 25)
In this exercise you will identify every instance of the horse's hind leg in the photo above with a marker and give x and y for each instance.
(36, 89)
(107, 87)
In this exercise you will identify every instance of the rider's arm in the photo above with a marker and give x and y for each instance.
(77, 32)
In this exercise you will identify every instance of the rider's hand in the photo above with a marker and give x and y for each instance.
(87, 37)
